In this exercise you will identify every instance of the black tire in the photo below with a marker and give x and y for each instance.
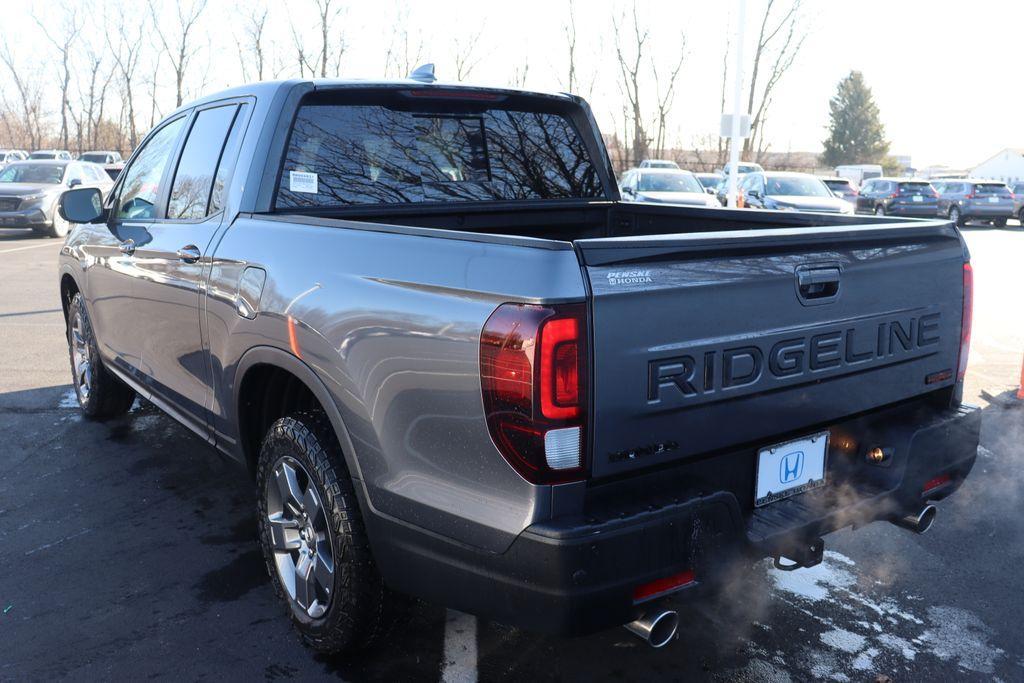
(999, 222)
(104, 396)
(956, 216)
(880, 210)
(59, 227)
(360, 608)
(1020, 217)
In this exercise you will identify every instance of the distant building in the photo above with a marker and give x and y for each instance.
(1007, 166)
(940, 171)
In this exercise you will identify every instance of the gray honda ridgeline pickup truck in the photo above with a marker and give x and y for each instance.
(460, 368)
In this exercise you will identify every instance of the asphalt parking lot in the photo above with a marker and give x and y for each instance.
(129, 549)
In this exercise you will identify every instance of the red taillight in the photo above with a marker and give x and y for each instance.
(660, 587)
(966, 322)
(935, 483)
(532, 372)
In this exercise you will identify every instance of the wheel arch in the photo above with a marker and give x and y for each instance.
(267, 368)
(68, 289)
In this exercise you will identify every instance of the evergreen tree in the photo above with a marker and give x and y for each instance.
(856, 135)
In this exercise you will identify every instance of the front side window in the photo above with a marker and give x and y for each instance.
(193, 181)
(141, 186)
(342, 155)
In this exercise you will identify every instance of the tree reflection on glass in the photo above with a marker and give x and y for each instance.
(375, 155)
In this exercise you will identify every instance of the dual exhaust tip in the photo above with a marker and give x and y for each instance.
(656, 628)
(918, 522)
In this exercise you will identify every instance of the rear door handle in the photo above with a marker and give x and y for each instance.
(189, 253)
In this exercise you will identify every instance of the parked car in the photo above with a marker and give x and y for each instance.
(898, 197)
(111, 162)
(859, 173)
(101, 158)
(743, 168)
(785, 191)
(56, 154)
(658, 163)
(709, 181)
(8, 156)
(664, 185)
(29, 191)
(843, 188)
(458, 367)
(988, 201)
(1018, 201)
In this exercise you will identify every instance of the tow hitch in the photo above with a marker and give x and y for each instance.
(801, 556)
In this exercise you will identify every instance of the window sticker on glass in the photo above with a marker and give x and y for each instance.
(303, 181)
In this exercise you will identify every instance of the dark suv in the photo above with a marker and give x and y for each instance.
(898, 197)
(1018, 201)
(989, 201)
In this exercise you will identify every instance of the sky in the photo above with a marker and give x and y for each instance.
(944, 74)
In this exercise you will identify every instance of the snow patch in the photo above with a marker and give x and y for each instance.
(841, 639)
(69, 399)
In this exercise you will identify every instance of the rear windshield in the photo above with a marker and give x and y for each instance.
(997, 189)
(351, 154)
(838, 184)
(94, 158)
(916, 188)
(709, 180)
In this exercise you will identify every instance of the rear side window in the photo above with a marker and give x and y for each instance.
(341, 155)
(193, 181)
(916, 188)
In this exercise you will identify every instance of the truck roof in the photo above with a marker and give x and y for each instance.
(271, 88)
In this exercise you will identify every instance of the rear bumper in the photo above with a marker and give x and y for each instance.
(577, 575)
(923, 210)
(982, 211)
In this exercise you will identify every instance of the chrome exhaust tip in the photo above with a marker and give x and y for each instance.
(655, 628)
(919, 522)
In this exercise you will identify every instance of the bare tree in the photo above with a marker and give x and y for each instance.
(630, 67)
(665, 88)
(332, 42)
(30, 97)
(179, 47)
(570, 42)
(466, 57)
(519, 73)
(125, 44)
(92, 96)
(778, 44)
(252, 51)
(404, 52)
(63, 39)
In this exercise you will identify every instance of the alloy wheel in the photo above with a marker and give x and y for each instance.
(301, 537)
(81, 355)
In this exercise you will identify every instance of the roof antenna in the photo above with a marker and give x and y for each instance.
(423, 73)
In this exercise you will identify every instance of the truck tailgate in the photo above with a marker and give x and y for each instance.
(709, 340)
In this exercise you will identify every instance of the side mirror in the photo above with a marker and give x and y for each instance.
(74, 182)
(753, 194)
(81, 206)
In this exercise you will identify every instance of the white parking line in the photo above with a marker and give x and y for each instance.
(32, 246)
(459, 664)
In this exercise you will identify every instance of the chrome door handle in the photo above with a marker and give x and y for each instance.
(127, 247)
(189, 254)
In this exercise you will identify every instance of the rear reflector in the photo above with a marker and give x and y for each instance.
(562, 448)
(966, 322)
(659, 587)
(935, 483)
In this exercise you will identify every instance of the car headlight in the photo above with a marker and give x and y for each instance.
(33, 200)
(846, 207)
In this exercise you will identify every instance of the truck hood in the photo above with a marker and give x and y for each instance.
(28, 189)
(799, 203)
(689, 198)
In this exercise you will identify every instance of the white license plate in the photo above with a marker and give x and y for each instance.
(993, 200)
(787, 469)
(918, 198)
